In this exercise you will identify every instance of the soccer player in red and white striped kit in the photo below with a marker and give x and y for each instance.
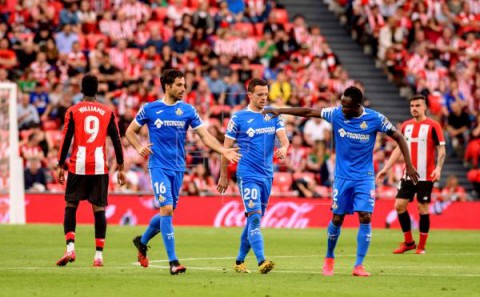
(424, 136)
(88, 123)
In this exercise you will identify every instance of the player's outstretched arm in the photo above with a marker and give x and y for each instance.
(131, 135)
(231, 154)
(281, 153)
(223, 180)
(402, 144)
(296, 111)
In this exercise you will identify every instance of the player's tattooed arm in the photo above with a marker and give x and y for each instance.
(223, 180)
(296, 111)
(131, 135)
(437, 172)
(402, 144)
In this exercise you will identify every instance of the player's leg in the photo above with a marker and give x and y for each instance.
(244, 242)
(267, 265)
(98, 197)
(74, 192)
(364, 203)
(424, 197)
(141, 241)
(167, 191)
(342, 204)
(406, 192)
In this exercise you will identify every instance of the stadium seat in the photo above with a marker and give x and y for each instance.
(133, 52)
(150, 24)
(92, 39)
(259, 29)
(323, 191)
(82, 41)
(282, 180)
(25, 133)
(50, 125)
(304, 175)
(281, 16)
(244, 27)
(160, 13)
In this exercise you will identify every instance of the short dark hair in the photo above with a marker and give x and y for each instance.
(89, 85)
(256, 82)
(354, 93)
(418, 97)
(169, 76)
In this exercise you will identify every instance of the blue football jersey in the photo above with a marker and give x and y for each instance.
(355, 140)
(256, 139)
(167, 129)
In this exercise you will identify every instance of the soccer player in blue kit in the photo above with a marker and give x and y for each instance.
(256, 139)
(355, 128)
(168, 121)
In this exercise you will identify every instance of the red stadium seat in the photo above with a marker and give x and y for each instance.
(82, 41)
(281, 16)
(160, 13)
(50, 125)
(92, 40)
(133, 52)
(304, 175)
(244, 27)
(150, 24)
(259, 29)
(282, 180)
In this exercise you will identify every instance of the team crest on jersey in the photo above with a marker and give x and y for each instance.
(161, 198)
(251, 204)
(364, 125)
(334, 205)
(178, 112)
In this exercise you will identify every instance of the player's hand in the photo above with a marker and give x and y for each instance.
(281, 153)
(270, 113)
(144, 151)
(60, 175)
(381, 175)
(436, 174)
(222, 184)
(231, 154)
(121, 176)
(412, 173)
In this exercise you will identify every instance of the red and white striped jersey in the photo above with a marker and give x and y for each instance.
(89, 123)
(422, 138)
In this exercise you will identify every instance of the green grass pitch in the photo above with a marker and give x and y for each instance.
(28, 254)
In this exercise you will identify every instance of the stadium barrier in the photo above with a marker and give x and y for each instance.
(221, 211)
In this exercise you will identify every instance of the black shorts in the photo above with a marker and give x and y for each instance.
(423, 189)
(93, 188)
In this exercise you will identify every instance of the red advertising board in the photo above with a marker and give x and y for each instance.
(229, 212)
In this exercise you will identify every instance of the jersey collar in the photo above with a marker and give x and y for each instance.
(249, 109)
(163, 101)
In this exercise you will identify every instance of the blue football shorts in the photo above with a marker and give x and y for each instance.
(255, 193)
(351, 196)
(166, 185)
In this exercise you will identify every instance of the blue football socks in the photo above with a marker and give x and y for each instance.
(363, 242)
(333, 232)
(255, 236)
(168, 237)
(244, 245)
(152, 229)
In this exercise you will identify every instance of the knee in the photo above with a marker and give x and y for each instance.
(97, 208)
(337, 220)
(364, 217)
(166, 210)
(423, 208)
(72, 204)
(400, 208)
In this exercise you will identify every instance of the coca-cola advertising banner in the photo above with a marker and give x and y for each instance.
(229, 212)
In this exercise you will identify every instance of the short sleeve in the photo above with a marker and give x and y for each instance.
(141, 117)
(195, 122)
(327, 113)
(279, 124)
(385, 125)
(437, 134)
(232, 128)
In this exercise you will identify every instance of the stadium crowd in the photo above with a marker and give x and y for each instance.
(46, 46)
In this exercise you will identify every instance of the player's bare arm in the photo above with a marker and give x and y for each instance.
(281, 153)
(223, 180)
(231, 154)
(131, 135)
(296, 111)
(402, 144)
(437, 172)
(393, 158)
